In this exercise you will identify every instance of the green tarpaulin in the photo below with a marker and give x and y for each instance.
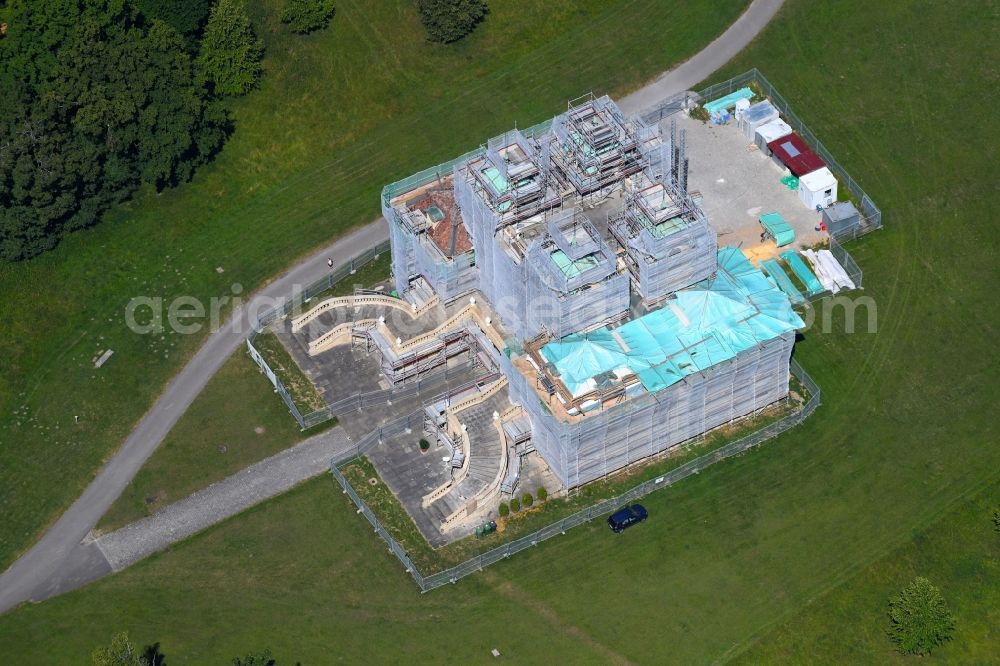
(780, 231)
(803, 271)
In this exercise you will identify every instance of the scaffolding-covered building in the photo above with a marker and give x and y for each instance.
(593, 146)
(601, 400)
(429, 239)
(627, 329)
(572, 279)
(668, 243)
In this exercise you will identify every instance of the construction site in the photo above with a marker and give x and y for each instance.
(591, 292)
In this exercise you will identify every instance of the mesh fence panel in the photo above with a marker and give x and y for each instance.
(870, 213)
(294, 302)
(483, 560)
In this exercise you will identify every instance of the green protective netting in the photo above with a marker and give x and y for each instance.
(573, 268)
(803, 272)
(777, 273)
(701, 326)
(779, 229)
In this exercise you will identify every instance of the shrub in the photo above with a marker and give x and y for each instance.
(528, 500)
(542, 494)
(919, 619)
(515, 506)
(700, 113)
(424, 445)
(448, 21)
(304, 16)
(996, 521)
(503, 509)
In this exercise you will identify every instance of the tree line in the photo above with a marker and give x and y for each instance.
(100, 97)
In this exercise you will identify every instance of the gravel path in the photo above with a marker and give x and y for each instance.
(265, 479)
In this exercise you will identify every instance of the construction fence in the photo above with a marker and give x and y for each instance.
(871, 215)
(599, 510)
(293, 304)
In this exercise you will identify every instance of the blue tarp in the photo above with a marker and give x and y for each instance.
(701, 326)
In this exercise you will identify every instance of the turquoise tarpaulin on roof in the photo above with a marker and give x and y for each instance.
(703, 325)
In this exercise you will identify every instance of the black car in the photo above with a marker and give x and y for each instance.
(627, 517)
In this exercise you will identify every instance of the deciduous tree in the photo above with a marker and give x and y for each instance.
(230, 51)
(121, 652)
(919, 619)
(448, 21)
(95, 101)
(187, 17)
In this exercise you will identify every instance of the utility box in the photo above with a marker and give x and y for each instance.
(842, 219)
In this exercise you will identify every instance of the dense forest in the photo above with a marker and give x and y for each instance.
(99, 96)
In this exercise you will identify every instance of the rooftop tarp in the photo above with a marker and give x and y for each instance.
(793, 152)
(780, 230)
(581, 356)
(703, 325)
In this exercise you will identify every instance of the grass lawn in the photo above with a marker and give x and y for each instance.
(234, 422)
(960, 554)
(339, 114)
(303, 391)
(429, 560)
(906, 433)
(330, 580)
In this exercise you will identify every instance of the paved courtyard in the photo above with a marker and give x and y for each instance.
(738, 183)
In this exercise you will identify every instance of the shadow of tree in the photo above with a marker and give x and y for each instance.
(153, 655)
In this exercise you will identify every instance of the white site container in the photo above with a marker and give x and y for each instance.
(818, 188)
(771, 131)
(759, 114)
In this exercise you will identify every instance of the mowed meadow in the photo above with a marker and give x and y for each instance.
(788, 553)
(339, 114)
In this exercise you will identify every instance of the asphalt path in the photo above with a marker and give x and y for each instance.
(64, 558)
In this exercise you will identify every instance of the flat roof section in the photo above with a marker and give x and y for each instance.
(793, 152)
(700, 327)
